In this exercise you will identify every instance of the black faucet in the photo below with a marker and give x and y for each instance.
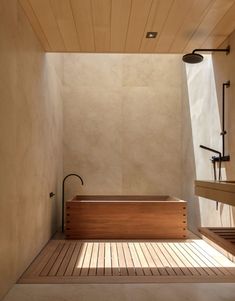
(211, 150)
(214, 160)
(69, 175)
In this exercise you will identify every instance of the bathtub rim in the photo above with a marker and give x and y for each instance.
(126, 199)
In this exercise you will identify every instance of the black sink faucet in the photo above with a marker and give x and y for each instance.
(211, 150)
(214, 159)
(69, 175)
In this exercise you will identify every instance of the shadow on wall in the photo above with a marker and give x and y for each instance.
(203, 118)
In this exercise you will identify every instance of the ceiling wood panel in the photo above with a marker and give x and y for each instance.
(198, 10)
(214, 15)
(138, 19)
(178, 11)
(35, 24)
(101, 12)
(156, 20)
(45, 15)
(64, 18)
(84, 24)
(222, 30)
(121, 25)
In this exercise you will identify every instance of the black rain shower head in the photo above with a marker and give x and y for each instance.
(194, 58)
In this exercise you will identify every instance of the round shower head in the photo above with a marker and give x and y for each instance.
(192, 58)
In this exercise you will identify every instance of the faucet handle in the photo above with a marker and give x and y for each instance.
(51, 194)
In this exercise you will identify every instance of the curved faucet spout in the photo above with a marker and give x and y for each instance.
(69, 175)
(75, 175)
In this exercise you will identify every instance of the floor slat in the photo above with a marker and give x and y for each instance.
(50, 263)
(107, 260)
(80, 259)
(178, 262)
(149, 259)
(128, 259)
(185, 260)
(134, 256)
(115, 263)
(212, 260)
(42, 259)
(94, 260)
(161, 268)
(163, 259)
(171, 260)
(66, 259)
(142, 260)
(87, 259)
(74, 257)
(206, 261)
(57, 264)
(100, 264)
(198, 261)
(191, 259)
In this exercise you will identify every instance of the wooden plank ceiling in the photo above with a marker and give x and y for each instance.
(120, 26)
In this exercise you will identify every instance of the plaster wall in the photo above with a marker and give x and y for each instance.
(122, 123)
(31, 143)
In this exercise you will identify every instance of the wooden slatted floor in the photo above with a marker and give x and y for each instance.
(64, 261)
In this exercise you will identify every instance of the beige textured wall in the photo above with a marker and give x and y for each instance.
(31, 143)
(122, 123)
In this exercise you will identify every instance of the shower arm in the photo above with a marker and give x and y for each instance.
(69, 175)
(227, 50)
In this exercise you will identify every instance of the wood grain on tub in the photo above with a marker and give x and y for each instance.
(125, 217)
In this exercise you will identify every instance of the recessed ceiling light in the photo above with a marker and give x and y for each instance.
(151, 34)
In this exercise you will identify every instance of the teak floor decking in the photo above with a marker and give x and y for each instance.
(64, 261)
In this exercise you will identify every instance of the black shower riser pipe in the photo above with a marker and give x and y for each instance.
(224, 132)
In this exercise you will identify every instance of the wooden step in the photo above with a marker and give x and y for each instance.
(224, 237)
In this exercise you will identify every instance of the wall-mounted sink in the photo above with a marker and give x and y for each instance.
(221, 191)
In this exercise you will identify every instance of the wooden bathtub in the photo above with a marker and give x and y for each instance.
(125, 217)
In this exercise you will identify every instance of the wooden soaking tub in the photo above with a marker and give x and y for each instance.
(125, 217)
